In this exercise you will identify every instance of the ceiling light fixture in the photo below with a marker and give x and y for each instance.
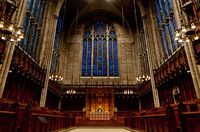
(188, 33)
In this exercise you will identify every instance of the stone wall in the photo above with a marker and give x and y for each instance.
(71, 58)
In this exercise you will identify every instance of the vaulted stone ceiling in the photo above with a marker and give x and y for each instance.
(109, 9)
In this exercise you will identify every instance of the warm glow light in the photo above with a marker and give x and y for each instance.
(19, 32)
(143, 78)
(56, 78)
(187, 40)
(12, 33)
(21, 36)
(180, 40)
(18, 39)
(176, 38)
(193, 26)
(12, 39)
(196, 37)
(3, 37)
(71, 92)
(183, 29)
(177, 34)
(11, 27)
(1, 24)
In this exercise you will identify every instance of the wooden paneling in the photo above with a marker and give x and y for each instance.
(25, 118)
(171, 67)
(25, 65)
(2, 50)
(184, 117)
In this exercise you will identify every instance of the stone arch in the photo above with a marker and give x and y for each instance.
(58, 7)
(141, 7)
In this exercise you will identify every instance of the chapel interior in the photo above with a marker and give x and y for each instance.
(117, 63)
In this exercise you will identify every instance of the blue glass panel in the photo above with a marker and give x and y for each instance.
(42, 12)
(166, 40)
(163, 44)
(100, 47)
(25, 23)
(112, 34)
(24, 26)
(38, 12)
(171, 35)
(59, 25)
(30, 50)
(84, 59)
(29, 4)
(95, 58)
(27, 38)
(170, 4)
(89, 55)
(87, 34)
(35, 44)
(158, 16)
(174, 23)
(115, 57)
(57, 42)
(159, 20)
(160, 4)
(104, 57)
(53, 64)
(161, 10)
(100, 27)
(110, 57)
(34, 8)
(166, 8)
(58, 34)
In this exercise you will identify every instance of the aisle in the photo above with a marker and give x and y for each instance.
(99, 129)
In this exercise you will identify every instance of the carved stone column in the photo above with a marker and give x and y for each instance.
(193, 68)
(148, 38)
(52, 24)
(10, 47)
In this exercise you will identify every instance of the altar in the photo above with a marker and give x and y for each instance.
(100, 104)
(99, 116)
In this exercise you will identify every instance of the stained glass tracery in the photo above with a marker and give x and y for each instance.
(32, 25)
(166, 24)
(100, 57)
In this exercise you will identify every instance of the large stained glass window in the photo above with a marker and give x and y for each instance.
(100, 52)
(57, 43)
(167, 25)
(32, 26)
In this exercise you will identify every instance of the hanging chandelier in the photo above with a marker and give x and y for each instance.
(8, 30)
(70, 91)
(143, 78)
(56, 78)
(188, 33)
(128, 91)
